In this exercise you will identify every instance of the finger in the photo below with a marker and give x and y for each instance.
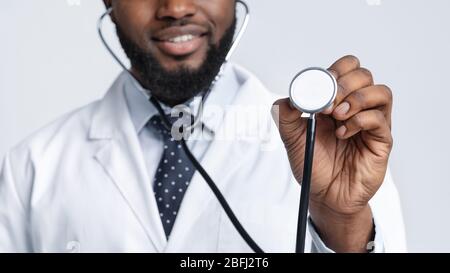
(334, 73)
(341, 67)
(344, 65)
(350, 82)
(371, 121)
(353, 81)
(284, 113)
(378, 96)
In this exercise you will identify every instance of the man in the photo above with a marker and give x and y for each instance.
(84, 182)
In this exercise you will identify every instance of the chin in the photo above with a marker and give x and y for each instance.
(192, 62)
(182, 66)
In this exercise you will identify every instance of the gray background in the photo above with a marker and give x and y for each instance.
(51, 61)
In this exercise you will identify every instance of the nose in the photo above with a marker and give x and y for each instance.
(176, 9)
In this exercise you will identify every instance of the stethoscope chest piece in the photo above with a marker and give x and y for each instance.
(313, 90)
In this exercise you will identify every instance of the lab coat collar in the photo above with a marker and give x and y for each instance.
(223, 93)
(120, 156)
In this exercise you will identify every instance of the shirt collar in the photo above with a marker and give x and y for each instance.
(222, 95)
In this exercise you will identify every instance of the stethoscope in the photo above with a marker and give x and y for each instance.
(312, 91)
(297, 93)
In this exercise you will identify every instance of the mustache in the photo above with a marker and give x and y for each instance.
(184, 22)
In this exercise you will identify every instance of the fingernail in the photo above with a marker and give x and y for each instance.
(341, 131)
(342, 109)
(328, 110)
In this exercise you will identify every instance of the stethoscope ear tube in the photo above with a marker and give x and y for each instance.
(241, 230)
(309, 152)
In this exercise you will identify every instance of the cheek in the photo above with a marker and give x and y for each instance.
(222, 18)
(134, 19)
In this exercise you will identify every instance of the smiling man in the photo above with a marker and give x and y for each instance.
(110, 177)
(176, 49)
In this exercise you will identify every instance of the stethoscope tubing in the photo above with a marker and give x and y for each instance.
(226, 207)
(309, 149)
(306, 184)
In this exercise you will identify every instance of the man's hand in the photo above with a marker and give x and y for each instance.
(353, 143)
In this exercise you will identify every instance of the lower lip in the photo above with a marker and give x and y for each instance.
(181, 49)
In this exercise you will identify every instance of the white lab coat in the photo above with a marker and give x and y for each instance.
(80, 184)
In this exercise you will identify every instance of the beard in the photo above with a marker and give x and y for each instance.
(179, 86)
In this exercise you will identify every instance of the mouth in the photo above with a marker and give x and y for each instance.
(181, 41)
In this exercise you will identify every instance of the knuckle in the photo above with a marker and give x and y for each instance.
(358, 120)
(341, 91)
(334, 73)
(367, 73)
(379, 116)
(353, 60)
(391, 142)
(388, 92)
(359, 98)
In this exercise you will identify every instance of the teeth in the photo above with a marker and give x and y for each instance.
(182, 39)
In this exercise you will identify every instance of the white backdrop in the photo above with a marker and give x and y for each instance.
(51, 62)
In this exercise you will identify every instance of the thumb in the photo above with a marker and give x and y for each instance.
(288, 119)
(292, 129)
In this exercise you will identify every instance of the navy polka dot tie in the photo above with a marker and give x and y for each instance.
(172, 177)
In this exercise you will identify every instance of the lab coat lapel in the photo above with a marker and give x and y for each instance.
(220, 161)
(122, 159)
(199, 196)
